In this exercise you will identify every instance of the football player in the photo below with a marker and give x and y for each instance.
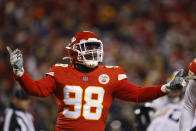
(84, 90)
(189, 104)
(167, 119)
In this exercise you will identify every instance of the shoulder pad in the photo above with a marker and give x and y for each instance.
(61, 65)
(112, 66)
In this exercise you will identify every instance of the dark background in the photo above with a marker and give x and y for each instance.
(149, 38)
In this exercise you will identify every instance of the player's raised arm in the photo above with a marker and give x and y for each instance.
(42, 87)
(188, 109)
(16, 61)
(130, 92)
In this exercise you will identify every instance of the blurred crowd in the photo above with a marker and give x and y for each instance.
(148, 38)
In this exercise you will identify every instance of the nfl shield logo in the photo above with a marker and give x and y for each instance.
(85, 78)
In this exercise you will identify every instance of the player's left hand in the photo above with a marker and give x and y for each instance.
(177, 81)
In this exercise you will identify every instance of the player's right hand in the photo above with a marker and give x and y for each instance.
(16, 61)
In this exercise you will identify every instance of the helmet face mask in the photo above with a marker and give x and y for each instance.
(87, 51)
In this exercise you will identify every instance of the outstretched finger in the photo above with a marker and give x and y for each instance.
(180, 72)
(9, 50)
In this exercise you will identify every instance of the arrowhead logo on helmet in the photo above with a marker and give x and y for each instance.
(86, 48)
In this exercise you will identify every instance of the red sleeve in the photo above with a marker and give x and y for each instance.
(130, 92)
(43, 87)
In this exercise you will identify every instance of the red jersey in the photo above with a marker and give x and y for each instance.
(84, 99)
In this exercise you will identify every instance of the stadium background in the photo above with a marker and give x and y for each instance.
(148, 38)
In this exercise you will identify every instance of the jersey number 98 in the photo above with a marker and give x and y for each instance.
(91, 109)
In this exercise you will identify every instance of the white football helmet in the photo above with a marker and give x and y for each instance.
(86, 48)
